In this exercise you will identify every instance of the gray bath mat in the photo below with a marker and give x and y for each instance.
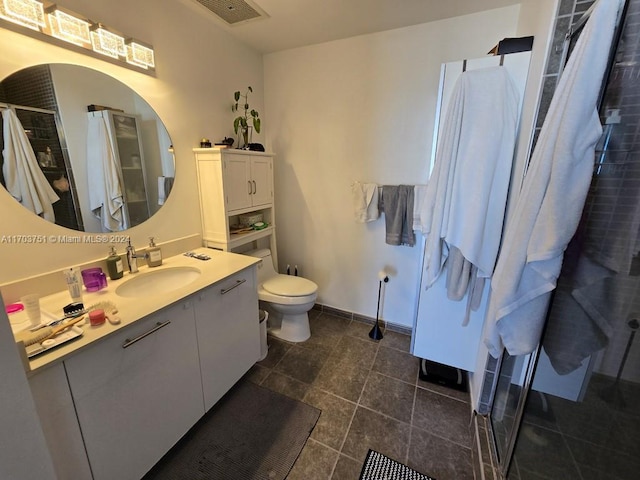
(380, 467)
(252, 434)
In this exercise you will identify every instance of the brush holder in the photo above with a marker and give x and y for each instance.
(94, 279)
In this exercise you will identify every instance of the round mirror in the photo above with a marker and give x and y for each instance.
(81, 149)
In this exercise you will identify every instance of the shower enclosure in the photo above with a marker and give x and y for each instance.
(570, 409)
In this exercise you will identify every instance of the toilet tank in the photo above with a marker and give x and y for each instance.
(266, 268)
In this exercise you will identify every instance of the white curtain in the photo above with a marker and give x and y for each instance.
(22, 174)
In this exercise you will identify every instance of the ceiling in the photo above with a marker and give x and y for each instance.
(295, 23)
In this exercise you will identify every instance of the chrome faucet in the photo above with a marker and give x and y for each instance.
(132, 258)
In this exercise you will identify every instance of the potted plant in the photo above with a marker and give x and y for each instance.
(241, 122)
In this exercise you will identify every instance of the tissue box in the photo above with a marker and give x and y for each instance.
(249, 219)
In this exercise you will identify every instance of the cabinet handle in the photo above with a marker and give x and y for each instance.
(237, 284)
(254, 186)
(128, 342)
(249, 185)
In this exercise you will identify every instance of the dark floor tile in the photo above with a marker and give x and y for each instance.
(286, 385)
(347, 469)
(303, 362)
(443, 416)
(335, 417)
(277, 350)
(396, 340)
(597, 458)
(315, 462)
(372, 430)
(438, 458)
(534, 444)
(389, 396)
(397, 364)
(257, 374)
(445, 390)
(360, 330)
(356, 350)
(342, 377)
(327, 330)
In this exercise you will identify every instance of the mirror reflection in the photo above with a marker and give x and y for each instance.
(81, 149)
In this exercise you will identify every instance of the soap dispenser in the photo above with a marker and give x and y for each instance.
(115, 266)
(153, 254)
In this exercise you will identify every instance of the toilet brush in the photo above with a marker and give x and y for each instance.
(375, 332)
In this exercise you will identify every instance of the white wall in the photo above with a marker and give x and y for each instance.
(360, 109)
(198, 67)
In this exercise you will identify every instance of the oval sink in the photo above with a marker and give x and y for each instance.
(157, 282)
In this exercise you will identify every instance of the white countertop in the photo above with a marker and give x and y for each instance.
(220, 266)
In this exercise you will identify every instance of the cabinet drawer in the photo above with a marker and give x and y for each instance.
(137, 393)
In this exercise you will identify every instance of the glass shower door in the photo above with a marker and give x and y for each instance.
(574, 409)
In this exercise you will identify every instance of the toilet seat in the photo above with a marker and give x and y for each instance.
(289, 286)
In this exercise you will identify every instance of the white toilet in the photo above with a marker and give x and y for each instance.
(289, 296)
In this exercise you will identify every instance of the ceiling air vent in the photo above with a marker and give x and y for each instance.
(234, 11)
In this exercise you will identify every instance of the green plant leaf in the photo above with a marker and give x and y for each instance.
(236, 123)
(236, 96)
(250, 89)
(256, 124)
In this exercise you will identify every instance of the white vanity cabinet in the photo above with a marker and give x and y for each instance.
(55, 408)
(228, 332)
(137, 392)
(232, 183)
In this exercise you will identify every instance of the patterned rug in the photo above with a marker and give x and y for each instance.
(379, 467)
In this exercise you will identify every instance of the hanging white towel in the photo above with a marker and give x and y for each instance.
(466, 195)
(105, 193)
(23, 177)
(419, 192)
(162, 196)
(365, 202)
(549, 206)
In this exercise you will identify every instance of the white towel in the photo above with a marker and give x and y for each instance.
(466, 195)
(549, 206)
(105, 193)
(23, 177)
(162, 196)
(365, 202)
(419, 192)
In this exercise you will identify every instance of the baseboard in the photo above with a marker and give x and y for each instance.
(392, 327)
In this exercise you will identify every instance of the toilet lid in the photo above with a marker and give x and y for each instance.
(289, 286)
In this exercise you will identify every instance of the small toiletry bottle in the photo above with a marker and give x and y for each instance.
(153, 254)
(72, 276)
(115, 266)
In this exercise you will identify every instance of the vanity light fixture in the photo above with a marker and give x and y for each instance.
(51, 20)
(28, 13)
(68, 27)
(106, 42)
(140, 55)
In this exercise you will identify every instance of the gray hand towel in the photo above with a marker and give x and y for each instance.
(397, 205)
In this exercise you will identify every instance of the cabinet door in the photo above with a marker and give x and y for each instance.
(237, 182)
(261, 179)
(59, 423)
(137, 393)
(228, 333)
